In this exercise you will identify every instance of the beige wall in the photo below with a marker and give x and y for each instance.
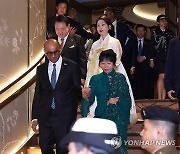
(22, 35)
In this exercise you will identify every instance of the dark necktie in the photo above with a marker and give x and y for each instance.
(140, 48)
(53, 83)
(62, 44)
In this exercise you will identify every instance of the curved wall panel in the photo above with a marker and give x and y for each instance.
(22, 35)
(13, 39)
(37, 29)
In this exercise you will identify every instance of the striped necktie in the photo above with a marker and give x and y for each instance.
(53, 83)
(62, 44)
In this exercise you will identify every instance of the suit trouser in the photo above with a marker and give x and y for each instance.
(179, 104)
(142, 82)
(51, 132)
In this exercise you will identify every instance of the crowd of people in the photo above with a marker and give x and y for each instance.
(103, 68)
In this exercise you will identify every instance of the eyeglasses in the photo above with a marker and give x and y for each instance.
(49, 53)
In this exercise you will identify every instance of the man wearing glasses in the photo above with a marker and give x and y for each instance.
(54, 105)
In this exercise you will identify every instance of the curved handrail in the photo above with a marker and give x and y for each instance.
(21, 89)
(19, 78)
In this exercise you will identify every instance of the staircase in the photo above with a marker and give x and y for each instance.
(133, 133)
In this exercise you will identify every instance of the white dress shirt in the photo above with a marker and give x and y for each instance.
(142, 41)
(58, 68)
(59, 39)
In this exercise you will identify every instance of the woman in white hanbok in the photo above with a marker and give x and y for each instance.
(106, 42)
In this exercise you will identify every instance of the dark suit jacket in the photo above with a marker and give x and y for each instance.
(124, 32)
(74, 50)
(145, 52)
(172, 71)
(64, 93)
(129, 47)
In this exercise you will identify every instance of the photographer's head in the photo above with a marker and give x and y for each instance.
(91, 136)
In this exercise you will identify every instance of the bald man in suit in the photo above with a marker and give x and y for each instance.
(55, 103)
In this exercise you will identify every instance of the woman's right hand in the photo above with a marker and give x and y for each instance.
(113, 100)
(86, 92)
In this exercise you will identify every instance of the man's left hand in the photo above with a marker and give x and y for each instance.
(140, 59)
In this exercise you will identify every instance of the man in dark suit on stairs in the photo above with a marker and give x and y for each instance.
(142, 68)
(172, 71)
(126, 37)
(128, 42)
(72, 45)
(55, 103)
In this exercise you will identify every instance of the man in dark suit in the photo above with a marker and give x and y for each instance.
(54, 105)
(76, 27)
(172, 71)
(72, 45)
(142, 68)
(126, 37)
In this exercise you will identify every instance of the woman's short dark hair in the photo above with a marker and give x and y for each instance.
(108, 22)
(108, 54)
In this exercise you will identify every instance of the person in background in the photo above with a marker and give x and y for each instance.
(54, 106)
(72, 13)
(76, 27)
(90, 136)
(94, 28)
(159, 48)
(172, 73)
(153, 28)
(142, 69)
(111, 90)
(106, 42)
(160, 129)
(61, 9)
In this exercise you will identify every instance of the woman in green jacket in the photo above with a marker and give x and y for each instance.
(112, 93)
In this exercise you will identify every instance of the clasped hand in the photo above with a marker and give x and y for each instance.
(86, 92)
(113, 100)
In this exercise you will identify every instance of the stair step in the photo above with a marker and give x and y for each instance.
(34, 150)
